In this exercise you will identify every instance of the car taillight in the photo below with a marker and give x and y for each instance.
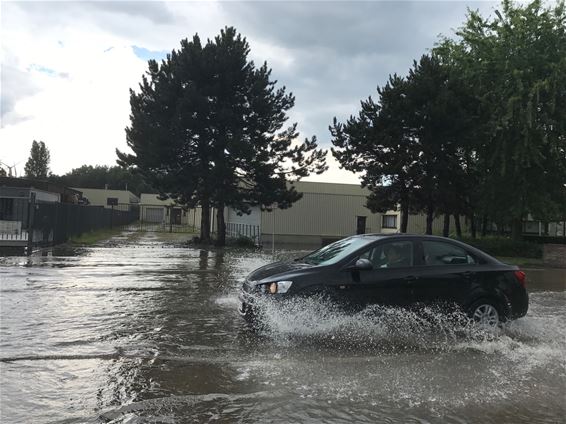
(521, 278)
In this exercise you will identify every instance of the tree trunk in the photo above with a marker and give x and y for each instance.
(516, 229)
(404, 217)
(429, 218)
(500, 228)
(458, 226)
(446, 227)
(484, 224)
(221, 226)
(205, 222)
(473, 231)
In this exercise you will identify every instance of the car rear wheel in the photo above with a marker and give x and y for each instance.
(486, 312)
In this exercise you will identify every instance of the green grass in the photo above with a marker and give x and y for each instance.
(93, 237)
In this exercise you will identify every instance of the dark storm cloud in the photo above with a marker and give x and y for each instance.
(155, 11)
(52, 12)
(343, 50)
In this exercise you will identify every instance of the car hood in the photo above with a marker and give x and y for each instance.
(276, 268)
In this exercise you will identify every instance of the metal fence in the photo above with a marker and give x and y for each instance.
(25, 223)
(162, 218)
(236, 230)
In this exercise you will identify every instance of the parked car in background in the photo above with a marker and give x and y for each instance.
(396, 270)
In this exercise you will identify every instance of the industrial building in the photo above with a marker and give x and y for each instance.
(326, 212)
(108, 197)
(166, 212)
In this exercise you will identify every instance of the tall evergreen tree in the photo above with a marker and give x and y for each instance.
(207, 129)
(409, 145)
(376, 144)
(37, 166)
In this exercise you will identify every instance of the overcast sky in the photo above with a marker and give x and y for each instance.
(67, 67)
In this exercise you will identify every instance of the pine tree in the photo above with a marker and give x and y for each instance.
(37, 166)
(207, 128)
(409, 146)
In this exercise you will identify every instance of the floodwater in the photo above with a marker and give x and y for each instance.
(144, 330)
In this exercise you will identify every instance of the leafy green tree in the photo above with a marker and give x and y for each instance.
(207, 129)
(37, 166)
(112, 177)
(514, 64)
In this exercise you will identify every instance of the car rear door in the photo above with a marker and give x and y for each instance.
(385, 284)
(445, 271)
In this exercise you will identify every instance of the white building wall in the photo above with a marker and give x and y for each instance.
(45, 196)
(254, 218)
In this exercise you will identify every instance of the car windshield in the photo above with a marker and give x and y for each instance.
(336, 251)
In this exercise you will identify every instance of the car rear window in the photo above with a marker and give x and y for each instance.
(441, 253)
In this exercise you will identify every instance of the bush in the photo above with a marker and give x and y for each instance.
(503, 246)
(545, 239)
(241, 241)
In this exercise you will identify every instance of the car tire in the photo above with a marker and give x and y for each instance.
(486, 312)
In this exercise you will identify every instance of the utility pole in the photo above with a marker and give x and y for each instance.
(273, 230)
(31, 216)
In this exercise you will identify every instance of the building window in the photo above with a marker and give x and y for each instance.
(111, 201)
(389, 221)
(6, 209)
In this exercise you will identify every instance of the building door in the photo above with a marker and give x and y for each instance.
(176, 216)
(154, 214)
(361, 225)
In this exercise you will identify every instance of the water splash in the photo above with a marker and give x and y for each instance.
(316, 322)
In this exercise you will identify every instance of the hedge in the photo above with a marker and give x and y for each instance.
(503, 246)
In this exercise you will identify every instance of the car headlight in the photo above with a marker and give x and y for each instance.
(278, 287)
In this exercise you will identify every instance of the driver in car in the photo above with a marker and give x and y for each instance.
(394, 258)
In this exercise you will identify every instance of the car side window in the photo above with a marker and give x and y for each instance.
(398, 254)
(441, 253)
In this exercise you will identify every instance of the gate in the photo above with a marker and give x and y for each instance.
(164, 218)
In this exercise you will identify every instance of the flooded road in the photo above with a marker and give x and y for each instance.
(144, 331)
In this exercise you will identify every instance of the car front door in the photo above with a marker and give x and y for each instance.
(445, 273)
(389, 280)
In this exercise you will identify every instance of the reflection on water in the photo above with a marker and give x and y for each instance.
(146, 331)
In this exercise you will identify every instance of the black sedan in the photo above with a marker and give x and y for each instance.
(396, 270)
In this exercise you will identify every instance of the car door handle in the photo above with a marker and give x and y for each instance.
(467, 274)
(410, 278)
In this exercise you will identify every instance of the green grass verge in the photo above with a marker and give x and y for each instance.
(93, 237)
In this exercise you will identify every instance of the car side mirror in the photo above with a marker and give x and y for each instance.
(360, 265)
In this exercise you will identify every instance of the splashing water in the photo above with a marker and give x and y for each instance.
(316, 322)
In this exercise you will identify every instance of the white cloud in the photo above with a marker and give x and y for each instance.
(81, 103)
(334, 174)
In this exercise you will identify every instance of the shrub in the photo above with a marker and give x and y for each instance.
(241, 241)
(503, 246)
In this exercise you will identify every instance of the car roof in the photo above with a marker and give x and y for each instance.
(394, 235)
(402, 235)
